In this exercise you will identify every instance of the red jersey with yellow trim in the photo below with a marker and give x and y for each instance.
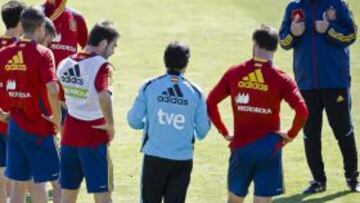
(80, 133)
(5, 41)
(70, 27)
(256, 89)
(25, 69)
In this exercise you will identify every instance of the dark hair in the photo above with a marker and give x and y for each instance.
(49, 27)
(31, 18)
(10, 13)
(266, 37)
(102, 31)
(176, 56)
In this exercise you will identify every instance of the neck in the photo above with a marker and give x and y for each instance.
(12, 33)
(30, 36)
(267, 56)
(51, 1)
(92, 49)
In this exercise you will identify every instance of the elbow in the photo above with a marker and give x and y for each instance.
(302, 111)
(203, 131)
(135, 123)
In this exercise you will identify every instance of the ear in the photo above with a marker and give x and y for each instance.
(103, 44)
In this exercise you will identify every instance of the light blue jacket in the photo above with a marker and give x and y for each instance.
(172, 113)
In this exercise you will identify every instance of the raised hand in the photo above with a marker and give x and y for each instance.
(108, 128)
(321, 26)
(297, 27)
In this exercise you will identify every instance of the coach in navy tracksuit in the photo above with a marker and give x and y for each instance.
(320, 32)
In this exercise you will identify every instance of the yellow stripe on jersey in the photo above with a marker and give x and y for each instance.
(286, 41)
(341, 37)
(58, 11)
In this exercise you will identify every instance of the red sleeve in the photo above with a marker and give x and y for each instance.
(82, 31)
(294, 99)
(102, 80)
(47, 66)
(217, 94)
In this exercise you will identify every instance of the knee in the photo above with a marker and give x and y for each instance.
(234, 198)
(103, 197)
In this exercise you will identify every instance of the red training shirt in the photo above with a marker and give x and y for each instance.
(70, 27)
(256, 89)
(25, 69)
(71, 31)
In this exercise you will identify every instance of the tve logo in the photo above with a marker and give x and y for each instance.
(176, 120)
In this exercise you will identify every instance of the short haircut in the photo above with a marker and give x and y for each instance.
(176, 56)
(10, 13)
(102, 31)
(49, 27)
(267, 38)
(31, 18)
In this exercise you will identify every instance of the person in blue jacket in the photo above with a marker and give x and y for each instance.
(172, 113)
(320, 33)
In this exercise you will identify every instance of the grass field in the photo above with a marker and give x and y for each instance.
(218, 33)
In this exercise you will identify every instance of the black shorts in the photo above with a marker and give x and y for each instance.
(165, 179)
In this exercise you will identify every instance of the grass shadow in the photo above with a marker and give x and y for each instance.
(300, 198)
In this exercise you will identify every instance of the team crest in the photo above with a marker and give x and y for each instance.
(174, 79)
(298, 12)
(72, 25)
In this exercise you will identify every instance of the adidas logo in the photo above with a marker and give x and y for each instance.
(16, 63)
(242, 98)
(254, 80)
(72, 75)
(173, 95)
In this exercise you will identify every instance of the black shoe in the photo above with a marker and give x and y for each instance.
(315, 187)
(353, 185)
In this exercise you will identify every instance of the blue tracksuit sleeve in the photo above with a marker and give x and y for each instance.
(342, 31)
(137, 113)
(202, 122)
(287, 40)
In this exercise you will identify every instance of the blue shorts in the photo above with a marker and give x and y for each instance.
(91, 163)
(259, 162)
(2, 150)
(30, 156)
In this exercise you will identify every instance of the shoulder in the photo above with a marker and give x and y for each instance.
(151, 81)
(44, 51)
(75, 13)
(283, 76)
(293, 4)
(194, 87)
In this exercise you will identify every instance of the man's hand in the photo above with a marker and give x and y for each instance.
(108, 128)
(297, 28)
(321, 26)
(229, 137)
(285, 137)
(4, 116)
(54, 120)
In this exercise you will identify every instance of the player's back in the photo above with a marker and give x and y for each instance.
(257, 89)
(77, 75)
(171, 106)
(23, 66)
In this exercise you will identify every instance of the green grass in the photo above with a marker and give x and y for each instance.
(219, 34)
